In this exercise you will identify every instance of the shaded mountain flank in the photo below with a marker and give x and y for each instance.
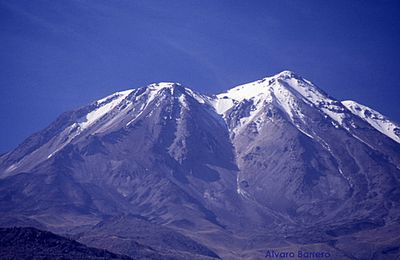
(32, 243)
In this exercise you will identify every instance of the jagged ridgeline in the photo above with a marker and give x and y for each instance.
(276, 164)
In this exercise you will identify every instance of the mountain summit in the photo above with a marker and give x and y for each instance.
(272, 164)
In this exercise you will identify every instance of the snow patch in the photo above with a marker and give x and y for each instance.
(96, 114)
(375, 119)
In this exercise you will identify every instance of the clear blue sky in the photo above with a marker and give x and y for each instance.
(59, 55)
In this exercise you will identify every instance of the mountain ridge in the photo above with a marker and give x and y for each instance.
(221, 104)
(272, 162)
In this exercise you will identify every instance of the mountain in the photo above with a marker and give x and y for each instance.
(276, 164)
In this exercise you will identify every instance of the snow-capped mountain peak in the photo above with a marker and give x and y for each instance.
(290, 91)
(287, 74)
(286, 83)
(256, 88)
(164, 85)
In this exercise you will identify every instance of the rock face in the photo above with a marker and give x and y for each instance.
(275, 163)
